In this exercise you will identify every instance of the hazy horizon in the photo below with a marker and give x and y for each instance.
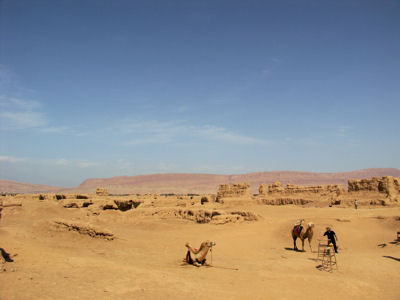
(96, 89)
(210, 174)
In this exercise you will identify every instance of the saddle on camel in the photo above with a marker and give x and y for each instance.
(298, 227)
(299, 232)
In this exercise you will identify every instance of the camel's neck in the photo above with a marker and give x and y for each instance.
(203, 253)
(308, 232)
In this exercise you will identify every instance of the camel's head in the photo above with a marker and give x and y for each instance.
(311, 225)
(210, 243)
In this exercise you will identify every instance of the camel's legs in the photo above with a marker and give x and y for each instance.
(302, 244)
(294, 243)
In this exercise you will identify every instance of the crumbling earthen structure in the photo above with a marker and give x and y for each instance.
(84, 229)
(277, 187)
(387, 185)
(101, 192)
(202, 216)
(236, 190)
(376, 191)
(263, 189)
(284, 201)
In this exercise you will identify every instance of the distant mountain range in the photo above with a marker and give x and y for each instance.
(8, 186)
(196, 183)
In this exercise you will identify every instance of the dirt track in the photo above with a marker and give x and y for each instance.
(144, 261)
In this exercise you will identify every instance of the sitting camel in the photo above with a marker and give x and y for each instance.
(299, 232)
(201, 253)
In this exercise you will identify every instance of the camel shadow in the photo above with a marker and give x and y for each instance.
(6, 255)
(291, 249)
(391, 257)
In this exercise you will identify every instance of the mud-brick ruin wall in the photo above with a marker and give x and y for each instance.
(388, 185)
(262, 189)
(277, 187)
(236, 190)
(101, 192)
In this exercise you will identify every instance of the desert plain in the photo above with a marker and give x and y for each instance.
(101, 246)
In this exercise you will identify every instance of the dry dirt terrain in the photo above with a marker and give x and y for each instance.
(133, 249)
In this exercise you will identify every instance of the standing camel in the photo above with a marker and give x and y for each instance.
(303, 234)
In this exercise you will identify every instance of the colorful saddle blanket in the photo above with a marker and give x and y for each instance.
(297, 229)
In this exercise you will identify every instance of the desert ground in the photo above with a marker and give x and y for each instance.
(142, 257)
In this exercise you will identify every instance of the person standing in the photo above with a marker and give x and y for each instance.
(332, 238)
(355, 204)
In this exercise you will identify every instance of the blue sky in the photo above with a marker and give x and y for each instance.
(108, 88)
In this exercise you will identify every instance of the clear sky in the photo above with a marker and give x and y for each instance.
(95, 88)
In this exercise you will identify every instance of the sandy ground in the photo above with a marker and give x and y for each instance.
(145, 260)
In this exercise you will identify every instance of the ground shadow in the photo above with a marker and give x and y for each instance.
(5, 255)
(395, 242)
(291, 249)
(314, 259)
(391, 257)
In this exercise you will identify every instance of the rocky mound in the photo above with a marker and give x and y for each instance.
(84, 229)
(284, 201)
(202, 216)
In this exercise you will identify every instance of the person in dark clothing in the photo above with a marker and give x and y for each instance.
(332, 238)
